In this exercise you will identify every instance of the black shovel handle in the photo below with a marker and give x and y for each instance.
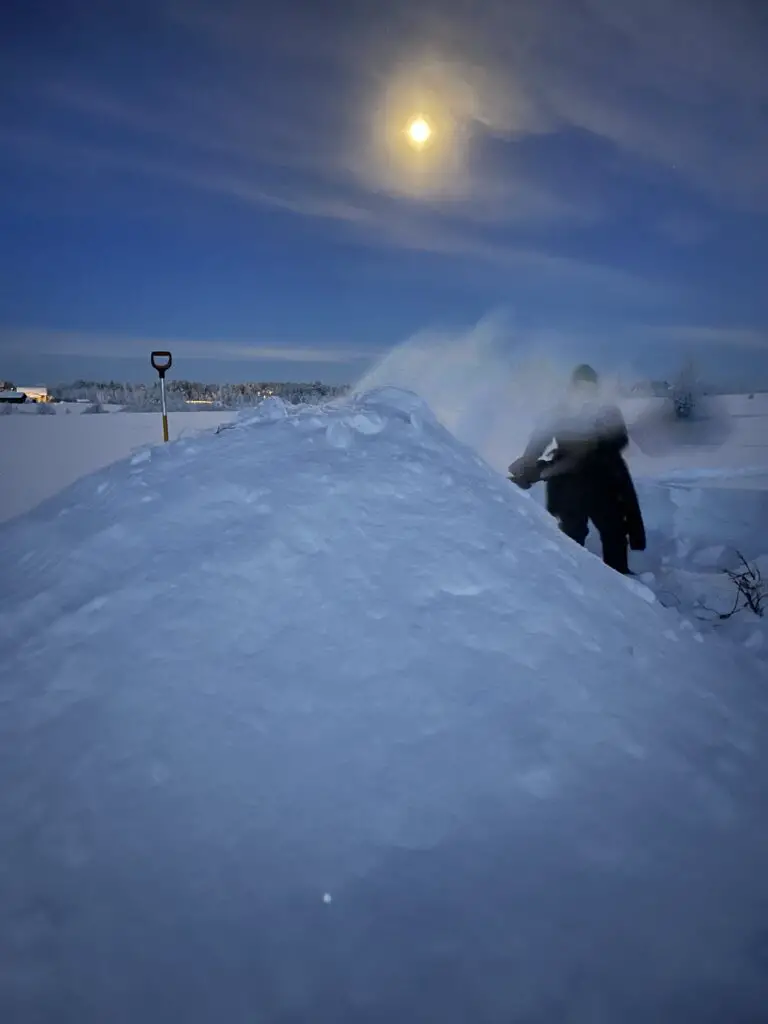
(162, 362)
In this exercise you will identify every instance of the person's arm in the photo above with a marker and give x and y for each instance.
(539, 441)
(525, 470)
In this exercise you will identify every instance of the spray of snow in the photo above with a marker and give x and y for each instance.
(491, 385)
(487, 388)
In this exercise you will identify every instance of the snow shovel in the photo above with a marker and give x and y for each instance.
(162, 362)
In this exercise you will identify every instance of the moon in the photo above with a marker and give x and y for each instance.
(418, 131)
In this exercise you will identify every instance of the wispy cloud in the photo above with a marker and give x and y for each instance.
(302, 109)
(25, 341)
(693, 335)
(679, 83)
(241, 151)
(371, 220)
(260, 117)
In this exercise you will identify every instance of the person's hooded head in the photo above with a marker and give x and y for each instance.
(583, 395)
(585, 380)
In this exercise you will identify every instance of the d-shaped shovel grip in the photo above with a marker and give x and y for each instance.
(162, 362)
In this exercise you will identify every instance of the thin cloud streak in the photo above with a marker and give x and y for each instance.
(235, 144)
(680, 83)
(566, 115)
(746, 338)
(383, 223)
(27, 341)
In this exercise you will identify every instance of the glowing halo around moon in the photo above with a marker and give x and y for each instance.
(421, 126)
(418, 131)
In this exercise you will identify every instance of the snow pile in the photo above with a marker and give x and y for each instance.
(319, 719)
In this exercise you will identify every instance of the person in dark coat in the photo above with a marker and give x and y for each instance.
(586, 477)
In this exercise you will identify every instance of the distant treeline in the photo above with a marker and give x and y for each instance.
(180, 393)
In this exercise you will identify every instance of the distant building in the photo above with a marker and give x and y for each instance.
(37, 394)
(12, 397)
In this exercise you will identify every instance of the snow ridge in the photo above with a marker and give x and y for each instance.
(319, 718)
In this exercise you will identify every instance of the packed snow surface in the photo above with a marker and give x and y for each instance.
(42, 454)
(319, 719)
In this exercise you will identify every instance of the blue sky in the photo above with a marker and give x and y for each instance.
(231, 179)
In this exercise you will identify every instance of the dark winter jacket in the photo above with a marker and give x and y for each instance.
(582, 438)
(629, 504)
(589, 447)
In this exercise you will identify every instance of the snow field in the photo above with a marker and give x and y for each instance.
(41, 455)
(320, 719)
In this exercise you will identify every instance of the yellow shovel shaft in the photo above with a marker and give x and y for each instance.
(165, 409)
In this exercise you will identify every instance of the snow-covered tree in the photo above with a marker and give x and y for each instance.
(684, 392)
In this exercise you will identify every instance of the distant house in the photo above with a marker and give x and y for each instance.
(37, 394)
(12, 397)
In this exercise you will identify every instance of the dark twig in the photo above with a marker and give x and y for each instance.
(749, 587)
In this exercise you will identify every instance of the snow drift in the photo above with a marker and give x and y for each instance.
(319, 719)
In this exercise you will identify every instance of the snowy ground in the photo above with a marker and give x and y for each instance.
(320, 719)
(704, 502)
(728, 447)
(698, 535)
(42, 454)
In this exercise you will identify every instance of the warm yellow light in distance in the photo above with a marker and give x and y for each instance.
(419, 131)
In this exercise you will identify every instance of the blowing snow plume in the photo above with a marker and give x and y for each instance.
(489, 393)
(492, 386)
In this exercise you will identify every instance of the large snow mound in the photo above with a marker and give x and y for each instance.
(319, 719)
